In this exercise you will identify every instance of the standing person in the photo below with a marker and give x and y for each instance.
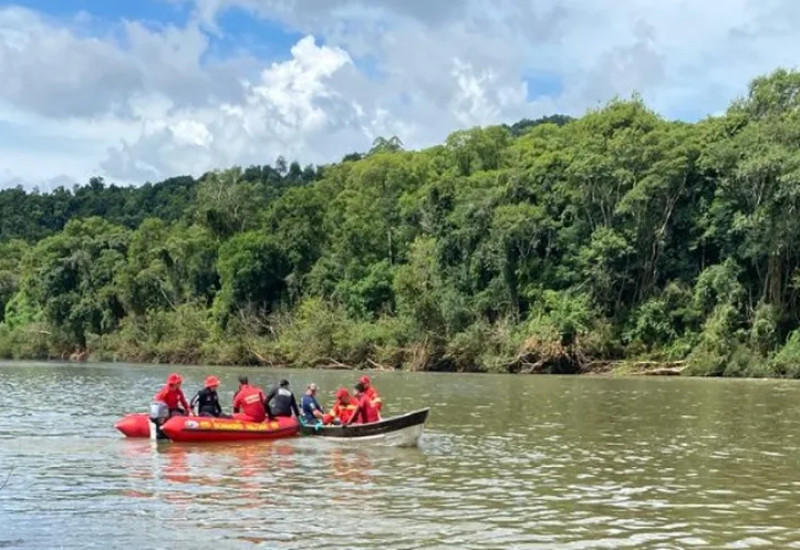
(207, 399)
(372, 393)
(342, 409)
(172, 396)
(250, 401)
(365, 412)
(281, 401)
(312, 411)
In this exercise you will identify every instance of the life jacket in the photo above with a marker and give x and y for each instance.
(343, 411)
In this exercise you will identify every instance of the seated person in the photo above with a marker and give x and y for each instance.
(207, 399)
(310, 407)
(372, 393)
(342, 409)
(250, 401)
(366, 412)
(172, 396)
(281, 401)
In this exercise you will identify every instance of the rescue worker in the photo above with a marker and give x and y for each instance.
(250, 401)
(372, 393)
(366, 412)
(342, 409)
(207, 399)
(281, 401)
(310, 407)
(172, 396)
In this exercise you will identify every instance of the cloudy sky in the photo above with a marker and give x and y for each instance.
(145, 89)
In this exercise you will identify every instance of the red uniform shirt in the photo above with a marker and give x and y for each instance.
(367, 412)
(172, 397)
(372, 393)
(250, 399)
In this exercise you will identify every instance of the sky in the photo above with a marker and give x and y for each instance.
(142, 90)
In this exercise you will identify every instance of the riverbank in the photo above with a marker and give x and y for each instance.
(278, 353)
(321, 335)
(345, 351)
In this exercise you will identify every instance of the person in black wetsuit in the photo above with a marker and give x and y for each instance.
(281, 401)
(207, 399)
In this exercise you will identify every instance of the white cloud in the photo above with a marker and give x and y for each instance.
(288, 91)
(289, 103)
(140, 102)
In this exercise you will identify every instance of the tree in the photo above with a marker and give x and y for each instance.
(555, 241)
(383, 145)
(11, 255)
(70, 276)
(253, 271)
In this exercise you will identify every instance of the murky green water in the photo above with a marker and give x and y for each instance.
(505, 462)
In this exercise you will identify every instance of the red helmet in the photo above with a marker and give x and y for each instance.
(174, 378)
(212, 381)
(342, 393)
(365, 380)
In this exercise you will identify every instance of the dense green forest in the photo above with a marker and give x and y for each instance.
(555, 245)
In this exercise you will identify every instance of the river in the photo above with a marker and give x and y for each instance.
(505, 462)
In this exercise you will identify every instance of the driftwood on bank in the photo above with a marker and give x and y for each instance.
(378, 367)
(329, 363)
(640, 368)
(545, 358)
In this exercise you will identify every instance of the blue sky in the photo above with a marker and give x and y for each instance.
(152, 10)
(139, 91)
(237, 28)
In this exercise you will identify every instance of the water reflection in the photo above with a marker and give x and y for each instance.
(246, 474)
(350, 465)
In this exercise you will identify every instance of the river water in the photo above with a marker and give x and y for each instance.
(505, 462)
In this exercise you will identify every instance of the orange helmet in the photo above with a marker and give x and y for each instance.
(174, 378)
(212, 381)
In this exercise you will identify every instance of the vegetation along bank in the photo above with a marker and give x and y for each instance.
(555, 245)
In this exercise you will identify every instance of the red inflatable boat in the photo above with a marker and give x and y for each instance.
(202, 428)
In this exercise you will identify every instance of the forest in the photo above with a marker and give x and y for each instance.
(616, 240)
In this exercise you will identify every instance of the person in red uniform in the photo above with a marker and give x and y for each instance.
(342, 409)
(250, 401)
(372, 393)
(366, 411)
(172, 396)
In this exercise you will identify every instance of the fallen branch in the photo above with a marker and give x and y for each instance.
(258, 356)
(637, 368)
(332, 364)
(532, 368)
(666, 371)
(378, 366)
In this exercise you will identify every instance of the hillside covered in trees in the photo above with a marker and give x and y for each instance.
(547, 246)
